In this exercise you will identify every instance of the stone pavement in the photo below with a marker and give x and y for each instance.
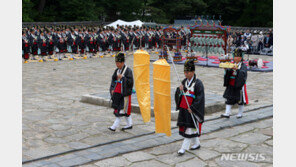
(250, 139)
(55, 121)
(156, 140)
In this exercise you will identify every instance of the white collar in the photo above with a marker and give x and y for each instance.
(188, 82)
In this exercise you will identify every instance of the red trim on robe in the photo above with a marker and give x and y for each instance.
(26, 56)
(246, 95)
(199, 126)
(117, 88)
(182, 128)
(129, 109)
(232, 80)
(183, 103)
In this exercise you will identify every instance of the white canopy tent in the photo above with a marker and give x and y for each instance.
(121, 22)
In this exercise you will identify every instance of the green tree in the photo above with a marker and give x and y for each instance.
(233, 12)
(27, 10)
(257, 14)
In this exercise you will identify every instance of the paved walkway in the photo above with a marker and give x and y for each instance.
(55, 121)
(242, 142)
(115, 149)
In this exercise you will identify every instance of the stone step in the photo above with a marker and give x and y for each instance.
(213, 103)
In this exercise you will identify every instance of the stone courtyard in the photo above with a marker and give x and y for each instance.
(55, 121)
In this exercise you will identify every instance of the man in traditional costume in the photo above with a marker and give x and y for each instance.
(121, 90)
(190, 118)
(81, 43)
(72, 42)
(25, 46)
(235, 83)
(60, 45)
(42, 45)
(50, 42)
(33, 44)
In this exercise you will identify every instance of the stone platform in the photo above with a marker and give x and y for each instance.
(214, 103)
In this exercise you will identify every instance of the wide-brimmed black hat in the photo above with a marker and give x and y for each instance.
(238, 53)
(189, 65)
(119, 57)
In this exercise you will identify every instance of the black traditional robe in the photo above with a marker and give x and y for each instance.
(197, 106)
(42, 45)
(34, 45)
(61, 44)
(25, 48)
(235, 85)
(81, 44)
(90, 44)
(126, 84)
(50, 46)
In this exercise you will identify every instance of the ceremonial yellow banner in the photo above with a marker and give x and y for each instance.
(162, 96)
(142, 85)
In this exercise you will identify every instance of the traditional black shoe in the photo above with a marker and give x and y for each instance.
(195, 148)
(239, 116)
(225, 116)
(60, 59)
(111, 129)
(130, 127)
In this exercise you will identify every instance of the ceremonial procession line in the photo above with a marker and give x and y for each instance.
(115, 148)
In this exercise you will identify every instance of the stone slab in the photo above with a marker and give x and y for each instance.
(214, 103)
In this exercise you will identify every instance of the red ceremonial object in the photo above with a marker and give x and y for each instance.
(264, 67)
(202, 59)
(216, 62)
(213, 57)
(265, 61)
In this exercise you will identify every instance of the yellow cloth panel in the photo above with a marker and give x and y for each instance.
(162, 96)
(142, 84)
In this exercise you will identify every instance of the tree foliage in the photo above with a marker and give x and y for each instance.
(233, 12)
